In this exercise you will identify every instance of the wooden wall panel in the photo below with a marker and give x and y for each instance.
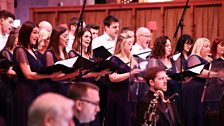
(95, 17)
(47, 16)
(143, 16)
(125, 16)
(202, 18)
(208, 22)
(64, 16)
(171, 20)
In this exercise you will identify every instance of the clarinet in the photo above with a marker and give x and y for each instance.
(150, 116)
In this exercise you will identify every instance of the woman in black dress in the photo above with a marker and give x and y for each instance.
(120, 109)
(7, 80)
(162, 57)
(184, 46)
(57, 52)
(29, 84)
(192, 108)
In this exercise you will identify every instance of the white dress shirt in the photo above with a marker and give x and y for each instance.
(3, 40)
(106, 41)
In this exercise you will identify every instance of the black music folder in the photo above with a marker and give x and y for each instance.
(190, 72)
(105, 64)
(143, 55)
(101, 52)
(68, 65)
(4, 63)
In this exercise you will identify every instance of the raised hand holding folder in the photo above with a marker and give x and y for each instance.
(190, 72)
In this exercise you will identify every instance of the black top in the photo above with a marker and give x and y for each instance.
(166, 112)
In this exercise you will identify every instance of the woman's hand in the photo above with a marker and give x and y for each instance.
(135, 71)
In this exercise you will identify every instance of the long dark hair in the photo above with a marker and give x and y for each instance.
(54, 41)
(181, 41)
(77, 43)
(11, 40)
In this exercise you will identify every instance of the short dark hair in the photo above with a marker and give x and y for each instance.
(126, 29)
(150, 74)
(73, 21)
(109, 19)
(78, 90)
(5, 14)
(93, 26)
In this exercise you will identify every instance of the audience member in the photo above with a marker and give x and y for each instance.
(51, 109)
(86, 97)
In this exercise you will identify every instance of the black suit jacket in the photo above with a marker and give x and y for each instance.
(162, 110)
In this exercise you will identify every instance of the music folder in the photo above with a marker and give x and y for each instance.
(101, 52)
(4, 63)
(190, 72)
(68, 65)
(143, 55)
(105, 64)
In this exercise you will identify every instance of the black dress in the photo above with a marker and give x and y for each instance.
(6, 92)
(119, 110)
(26, 90)
(172, 85)
(62, 86)
(192, 109)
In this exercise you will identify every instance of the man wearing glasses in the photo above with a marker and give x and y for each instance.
(86, 97)
(141, 47)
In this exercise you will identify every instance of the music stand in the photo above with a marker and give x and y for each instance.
(180, 26)
(80, 24)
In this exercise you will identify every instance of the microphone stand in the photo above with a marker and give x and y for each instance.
(80, 24)
(180, 26)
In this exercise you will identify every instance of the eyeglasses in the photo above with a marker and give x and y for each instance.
(147, 36)
(91, 102)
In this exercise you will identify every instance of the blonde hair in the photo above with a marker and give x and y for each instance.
(43, 35)
(121, 40)
(198, 47)
(119, 47)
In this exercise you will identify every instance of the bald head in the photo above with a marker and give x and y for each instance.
(49, 106)
(45, 25)
(143, 36)
(142, 30)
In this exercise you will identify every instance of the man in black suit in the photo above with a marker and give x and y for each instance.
(166, 112)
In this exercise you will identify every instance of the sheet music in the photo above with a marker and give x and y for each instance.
(143, 65)
(68, 62)
(176, 56)
(197, 69)
(143, 55)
